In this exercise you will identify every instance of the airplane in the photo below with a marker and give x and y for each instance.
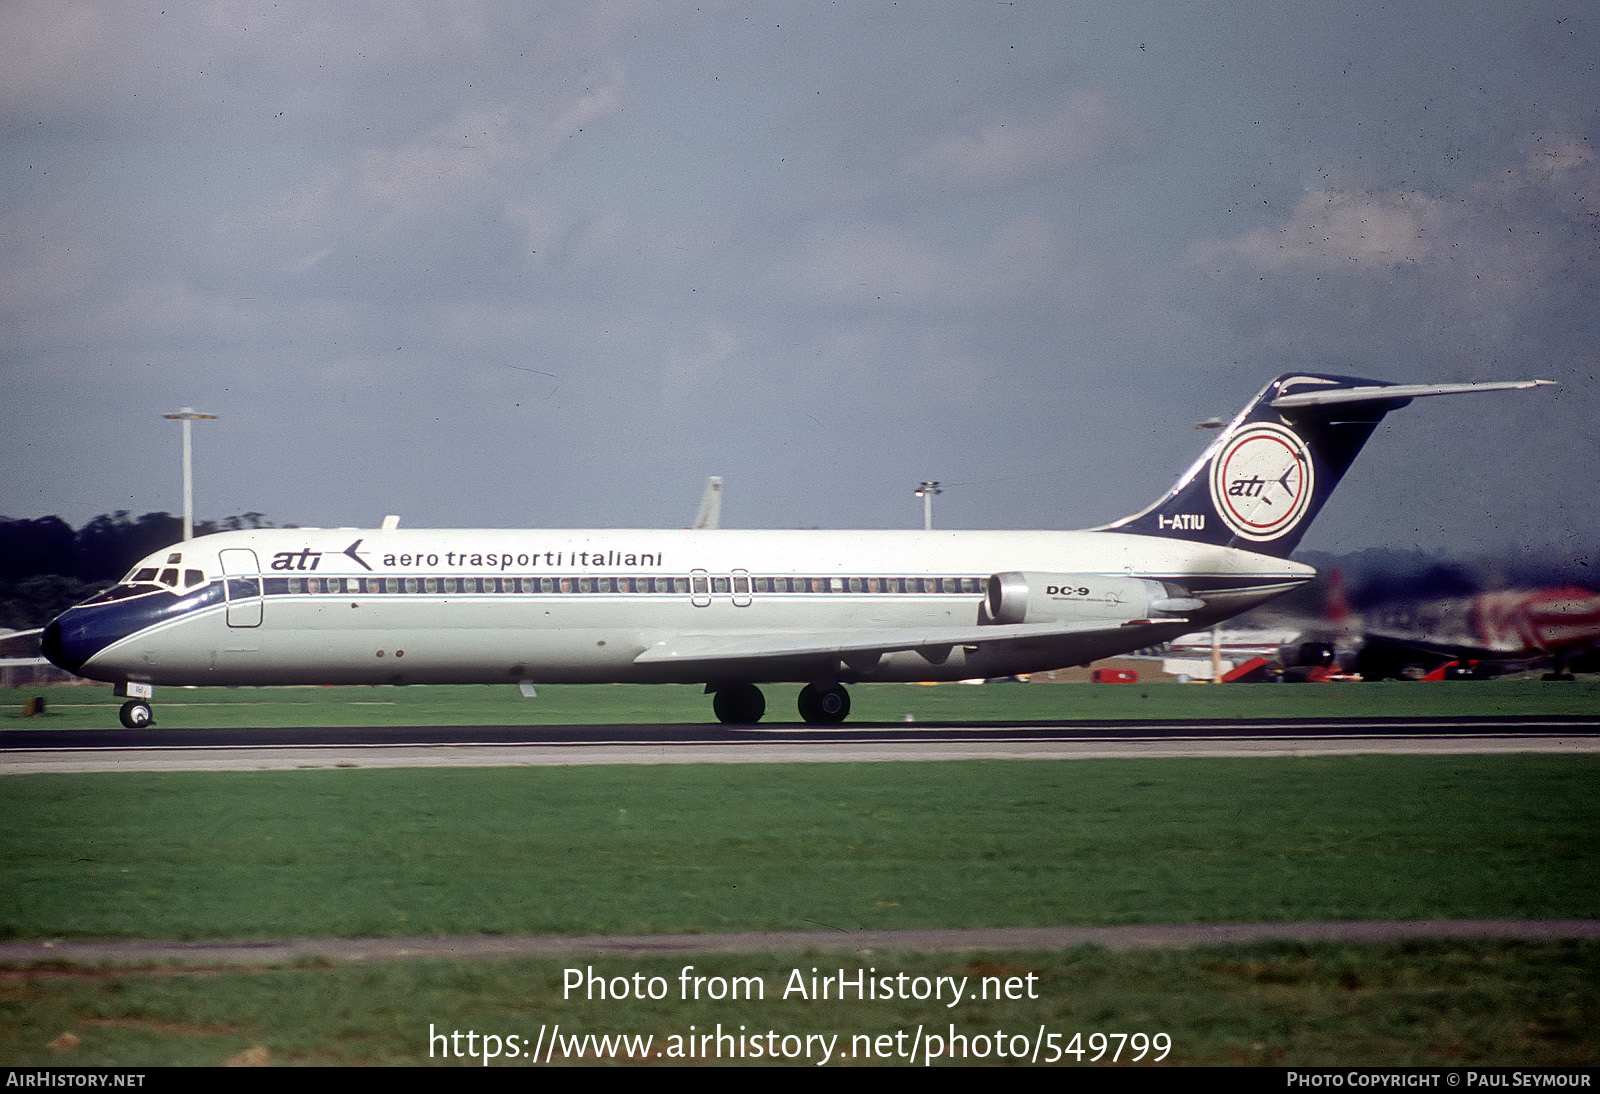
(1459, 636)
(1213, 653)
(709, 514)
(735, 609)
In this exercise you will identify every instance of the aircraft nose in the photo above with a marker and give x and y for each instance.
(51, 645)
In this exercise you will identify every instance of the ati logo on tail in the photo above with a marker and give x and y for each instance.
(1262, 481)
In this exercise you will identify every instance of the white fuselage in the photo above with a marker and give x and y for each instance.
(359, 606)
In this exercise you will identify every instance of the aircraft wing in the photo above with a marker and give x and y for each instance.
(23, 644)
(687, 649)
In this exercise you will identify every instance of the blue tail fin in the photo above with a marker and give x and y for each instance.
(1267, 475)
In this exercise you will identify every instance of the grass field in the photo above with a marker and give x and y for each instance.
(178, 708)
(783, 846)
(842, 846)
(1418, 1004)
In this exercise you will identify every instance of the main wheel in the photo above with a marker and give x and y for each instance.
(136, 714)
(824, 704)
(739, 704)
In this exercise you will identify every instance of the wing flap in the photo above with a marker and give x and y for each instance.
(691, 648)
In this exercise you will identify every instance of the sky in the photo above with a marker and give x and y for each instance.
(553, 264)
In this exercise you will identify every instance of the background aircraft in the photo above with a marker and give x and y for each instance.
(709, 515)
(1488, 632)
(1402, 632)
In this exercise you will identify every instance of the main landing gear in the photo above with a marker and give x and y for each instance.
(739, 704)
(824, 704)
(743, 704)
(1558, 668)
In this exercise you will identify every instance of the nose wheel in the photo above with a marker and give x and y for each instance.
(136, 714)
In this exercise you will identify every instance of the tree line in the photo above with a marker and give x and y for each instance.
(46, 565)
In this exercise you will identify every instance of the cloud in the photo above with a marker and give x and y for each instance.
(891, 263)
(1506, 257)
(699, 360)
(47, 50)
(1495, 226)
(1329, 229)
(1494, 280)
(1086, 127)
(475, 163)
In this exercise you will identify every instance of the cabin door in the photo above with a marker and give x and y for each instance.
(242, 578)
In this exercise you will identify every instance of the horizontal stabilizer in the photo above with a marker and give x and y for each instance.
(1383, 393)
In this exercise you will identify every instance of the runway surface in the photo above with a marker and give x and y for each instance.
(34, 751)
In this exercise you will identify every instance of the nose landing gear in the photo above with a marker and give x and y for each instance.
(136, 714)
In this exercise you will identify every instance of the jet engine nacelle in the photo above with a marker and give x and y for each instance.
(1021, 597)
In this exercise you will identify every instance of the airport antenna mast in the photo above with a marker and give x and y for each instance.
(187, 415)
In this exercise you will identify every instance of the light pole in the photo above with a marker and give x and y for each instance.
(926, 491)
(1216, 636)
(187, 415)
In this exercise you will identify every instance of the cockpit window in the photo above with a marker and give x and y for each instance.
(166, 576)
